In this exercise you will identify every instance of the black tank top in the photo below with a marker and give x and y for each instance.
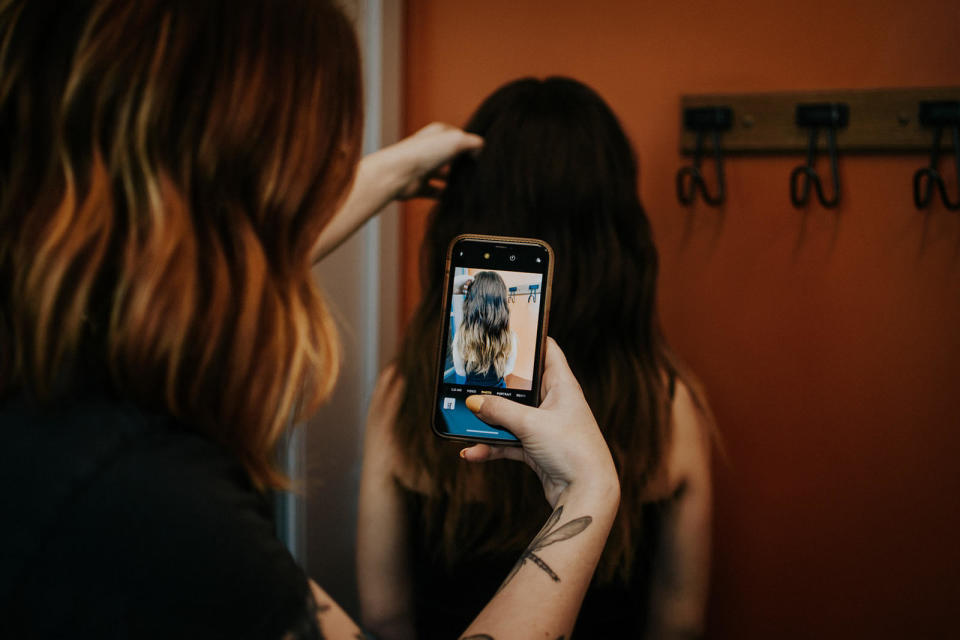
(488, 378)
(123, 524)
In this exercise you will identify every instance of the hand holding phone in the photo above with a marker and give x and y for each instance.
(496, 306)
(561, 440)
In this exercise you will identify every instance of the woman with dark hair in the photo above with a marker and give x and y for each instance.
(484, 347)
(555, 165)
(168, 171)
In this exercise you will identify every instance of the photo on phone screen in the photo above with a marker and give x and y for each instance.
(494, 322)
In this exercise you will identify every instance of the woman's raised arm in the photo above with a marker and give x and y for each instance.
(407, 169)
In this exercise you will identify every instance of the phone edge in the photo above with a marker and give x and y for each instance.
(543, 338)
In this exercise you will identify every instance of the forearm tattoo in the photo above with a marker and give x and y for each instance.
(549, 534)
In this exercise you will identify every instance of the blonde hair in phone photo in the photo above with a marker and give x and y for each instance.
(483, 337)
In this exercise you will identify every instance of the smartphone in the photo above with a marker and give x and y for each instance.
(496, 304)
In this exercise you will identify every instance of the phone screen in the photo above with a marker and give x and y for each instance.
(497, 300)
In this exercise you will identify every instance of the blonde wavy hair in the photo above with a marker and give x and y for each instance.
(165, 170)
(483, 337)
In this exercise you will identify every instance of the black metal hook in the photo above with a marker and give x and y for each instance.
(937, 115)
(830, 116)
(690, 179)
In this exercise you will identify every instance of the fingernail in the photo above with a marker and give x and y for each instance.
(474, 403)
(463, 453)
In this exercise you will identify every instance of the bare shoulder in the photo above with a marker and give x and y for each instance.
(389, 383)
(688, 452)
(381, 449)
(689, 415)
(382, 415)
(385, 402)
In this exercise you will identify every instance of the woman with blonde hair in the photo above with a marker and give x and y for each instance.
(484, 347)
(169, 170)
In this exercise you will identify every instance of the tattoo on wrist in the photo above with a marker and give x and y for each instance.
(549, 534)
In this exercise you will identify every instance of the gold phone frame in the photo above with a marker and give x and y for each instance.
(542, 346)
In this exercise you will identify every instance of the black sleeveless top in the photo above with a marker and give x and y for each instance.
(488, 378)
(122, 524)
(446, 599)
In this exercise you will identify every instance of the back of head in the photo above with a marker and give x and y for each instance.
(165, 168)
(483, 336)
(555, 165)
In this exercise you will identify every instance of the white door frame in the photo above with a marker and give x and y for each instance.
(361, 282)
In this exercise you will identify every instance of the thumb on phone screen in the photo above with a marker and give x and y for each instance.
(561, 440)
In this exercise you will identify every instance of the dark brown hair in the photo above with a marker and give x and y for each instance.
(555, 165)
(165, 168)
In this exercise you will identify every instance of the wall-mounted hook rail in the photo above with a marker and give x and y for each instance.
(938, 115)
(529, 290)
(829, 116)
(703, 120)
(882, 120)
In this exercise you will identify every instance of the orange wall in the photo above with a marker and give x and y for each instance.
(829, 343)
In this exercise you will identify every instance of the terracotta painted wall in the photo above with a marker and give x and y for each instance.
(829, 342)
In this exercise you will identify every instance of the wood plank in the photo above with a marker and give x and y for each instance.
(881, 121)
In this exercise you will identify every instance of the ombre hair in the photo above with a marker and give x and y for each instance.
(555, 165)
(483, 337)
(165, 170)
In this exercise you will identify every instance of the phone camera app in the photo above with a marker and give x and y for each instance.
(492, 327)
